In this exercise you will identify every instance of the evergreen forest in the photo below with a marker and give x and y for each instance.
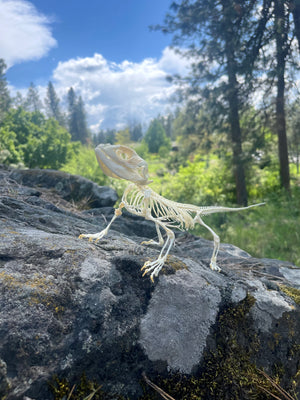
(231, 137)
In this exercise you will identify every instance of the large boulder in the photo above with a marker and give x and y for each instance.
(69, 187)
(69, 307)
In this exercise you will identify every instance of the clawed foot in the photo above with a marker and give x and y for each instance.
(154, 266)
(213, 265)
(93, 237)
(146, 242)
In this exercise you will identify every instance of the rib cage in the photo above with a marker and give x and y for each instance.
(161, 208)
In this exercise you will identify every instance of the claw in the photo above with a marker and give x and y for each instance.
(145, 265)
(94, 237)
(146, 242)
(213, 265)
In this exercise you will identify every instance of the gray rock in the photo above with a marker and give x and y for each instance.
(69, 187)
(181, 312)
(69, 307)
(4, 383)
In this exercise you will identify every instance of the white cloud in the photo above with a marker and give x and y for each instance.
(173, 63)
(24, 32)
(115, 94)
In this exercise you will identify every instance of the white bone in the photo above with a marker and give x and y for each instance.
(122, 162)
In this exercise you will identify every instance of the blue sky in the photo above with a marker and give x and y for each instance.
(104, 49)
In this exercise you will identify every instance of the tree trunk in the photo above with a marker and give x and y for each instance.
(233, 101)
(295, 10)
(281, 52)
(236, 137)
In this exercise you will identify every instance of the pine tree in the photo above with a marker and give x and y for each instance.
(156, 137)
(136, 131)
(32, 102)
(219, 35)
(5, 100)
(77, 118)
(83, 131)
(72, 117)
(18, 100)
(52, 104)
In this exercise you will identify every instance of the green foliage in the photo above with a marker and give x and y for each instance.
(84, 163)
(85, 390)
(123, 136)
(77, 118)
(294, 132)
(35, 141)
(32, 101)
(8, 152)
(136, 132)
(291, 292)
(52, 104)
(105, 136)
(4, 93)
(156, 137)
(51, 148)
(199, 182)
(271, 231)
(142, 150)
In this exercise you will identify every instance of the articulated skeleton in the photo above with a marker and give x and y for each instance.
(121, 162)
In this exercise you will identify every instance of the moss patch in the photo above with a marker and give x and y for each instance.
(292, 292)
(40, 290)
(85, 389)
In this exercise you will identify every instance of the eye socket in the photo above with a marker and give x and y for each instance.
(121, 154)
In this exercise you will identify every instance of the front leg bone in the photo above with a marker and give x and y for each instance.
(94, 237)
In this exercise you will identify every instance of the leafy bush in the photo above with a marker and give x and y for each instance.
(34, 140)
(142, 150)
(8, 152)
(197, 183)
(84, 163)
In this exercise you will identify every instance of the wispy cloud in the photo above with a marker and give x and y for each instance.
(24, 32)
(116, 93)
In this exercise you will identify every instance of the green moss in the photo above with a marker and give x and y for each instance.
(293, 293)
(84, 390)
(175, 264)
(41, 290)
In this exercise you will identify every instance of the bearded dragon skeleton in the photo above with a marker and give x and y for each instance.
(122, 162)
